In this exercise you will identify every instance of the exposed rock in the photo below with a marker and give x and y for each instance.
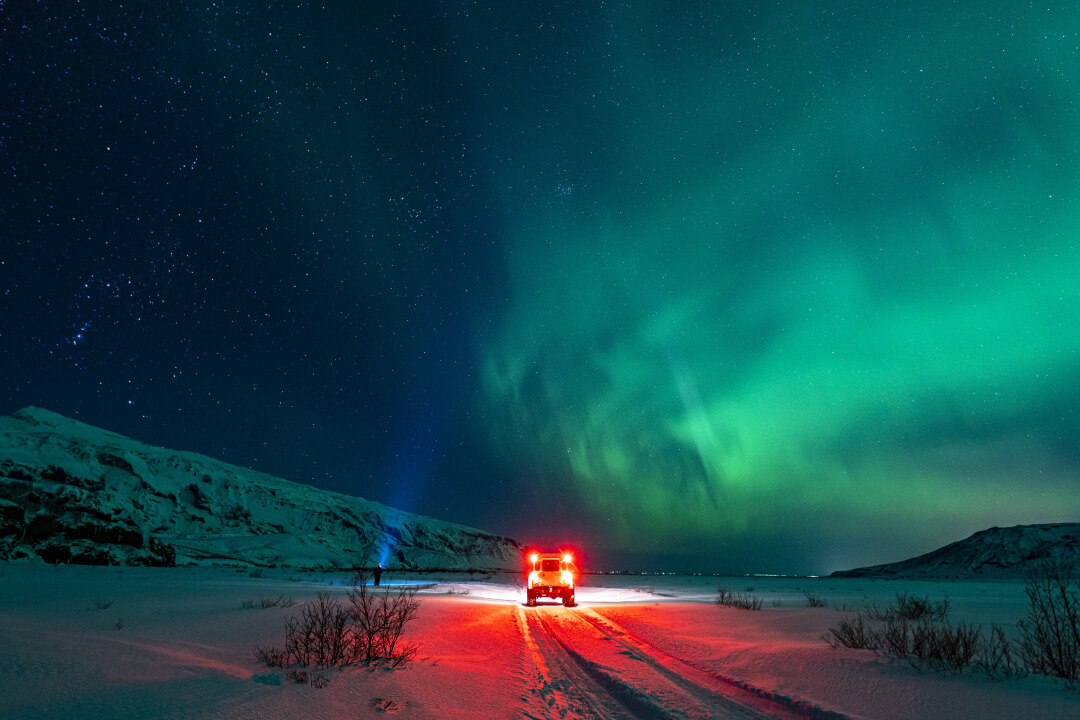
(73, 493)
(997, 553)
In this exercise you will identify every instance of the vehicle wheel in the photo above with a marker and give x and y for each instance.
(530, 598)
(568, 600)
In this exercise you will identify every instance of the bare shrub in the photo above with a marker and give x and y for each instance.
(944, 647)
(911, 607)
(875, 613)
(1050, 632)
(997, 657)
(266, 602)
(379, 619)
(852, 633)
(274, 657)
(279, 601)
(365, 627)
(895, 637)
(320, 634)
(726, 598)
(814, 601)
(103, 604)
(119, 625)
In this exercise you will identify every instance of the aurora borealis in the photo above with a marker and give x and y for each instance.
(698, 286)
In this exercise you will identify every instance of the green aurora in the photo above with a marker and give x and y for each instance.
(791, 290)
(712, 286)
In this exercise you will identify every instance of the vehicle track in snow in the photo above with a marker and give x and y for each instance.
(589, 667)
(566, 690)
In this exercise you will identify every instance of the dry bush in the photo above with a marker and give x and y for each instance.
(941, 647)
(380, 618)
(274, 657)
(814, 601)
(264, 603)
(894, 638)
(911, 607)
(997, 656)
(320, 634)
(726, 598)
(944, 647)
(1050, 632)
(852, 633)
(914, 608)
(279, 601)
(1049, 642)
(366, 627)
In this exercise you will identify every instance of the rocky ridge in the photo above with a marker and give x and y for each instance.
(74, 493)
(994, 554)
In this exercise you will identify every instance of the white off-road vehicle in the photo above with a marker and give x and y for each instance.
(552, 576)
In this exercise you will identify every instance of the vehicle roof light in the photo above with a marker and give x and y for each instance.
(534, 557)
(567, 557)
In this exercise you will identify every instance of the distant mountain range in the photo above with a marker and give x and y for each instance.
(74, 493)
(994, 554)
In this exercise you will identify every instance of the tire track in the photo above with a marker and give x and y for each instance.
(656, 690)
(565, 689)
(697, 679)
(589, 667)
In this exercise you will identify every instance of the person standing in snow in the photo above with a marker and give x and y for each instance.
(378, 574)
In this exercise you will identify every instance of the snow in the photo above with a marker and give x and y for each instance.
(997, 553)
(657, 643)
(71, 492)
(94, 641)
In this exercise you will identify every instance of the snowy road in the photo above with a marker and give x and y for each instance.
(588, 666)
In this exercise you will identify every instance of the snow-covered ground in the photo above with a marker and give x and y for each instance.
(98, 642)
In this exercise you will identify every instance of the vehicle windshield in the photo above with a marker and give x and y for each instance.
(549, 565)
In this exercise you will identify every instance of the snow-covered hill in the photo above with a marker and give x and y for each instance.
(71, 492)
(998, 553)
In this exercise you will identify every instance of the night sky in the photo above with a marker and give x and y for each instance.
(741, 286)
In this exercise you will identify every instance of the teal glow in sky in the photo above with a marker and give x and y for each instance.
(792, 289)
(718, 286)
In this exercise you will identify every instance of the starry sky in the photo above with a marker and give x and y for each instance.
(733, 286)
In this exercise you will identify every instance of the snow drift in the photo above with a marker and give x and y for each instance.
(74, 493)
(994, 554)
